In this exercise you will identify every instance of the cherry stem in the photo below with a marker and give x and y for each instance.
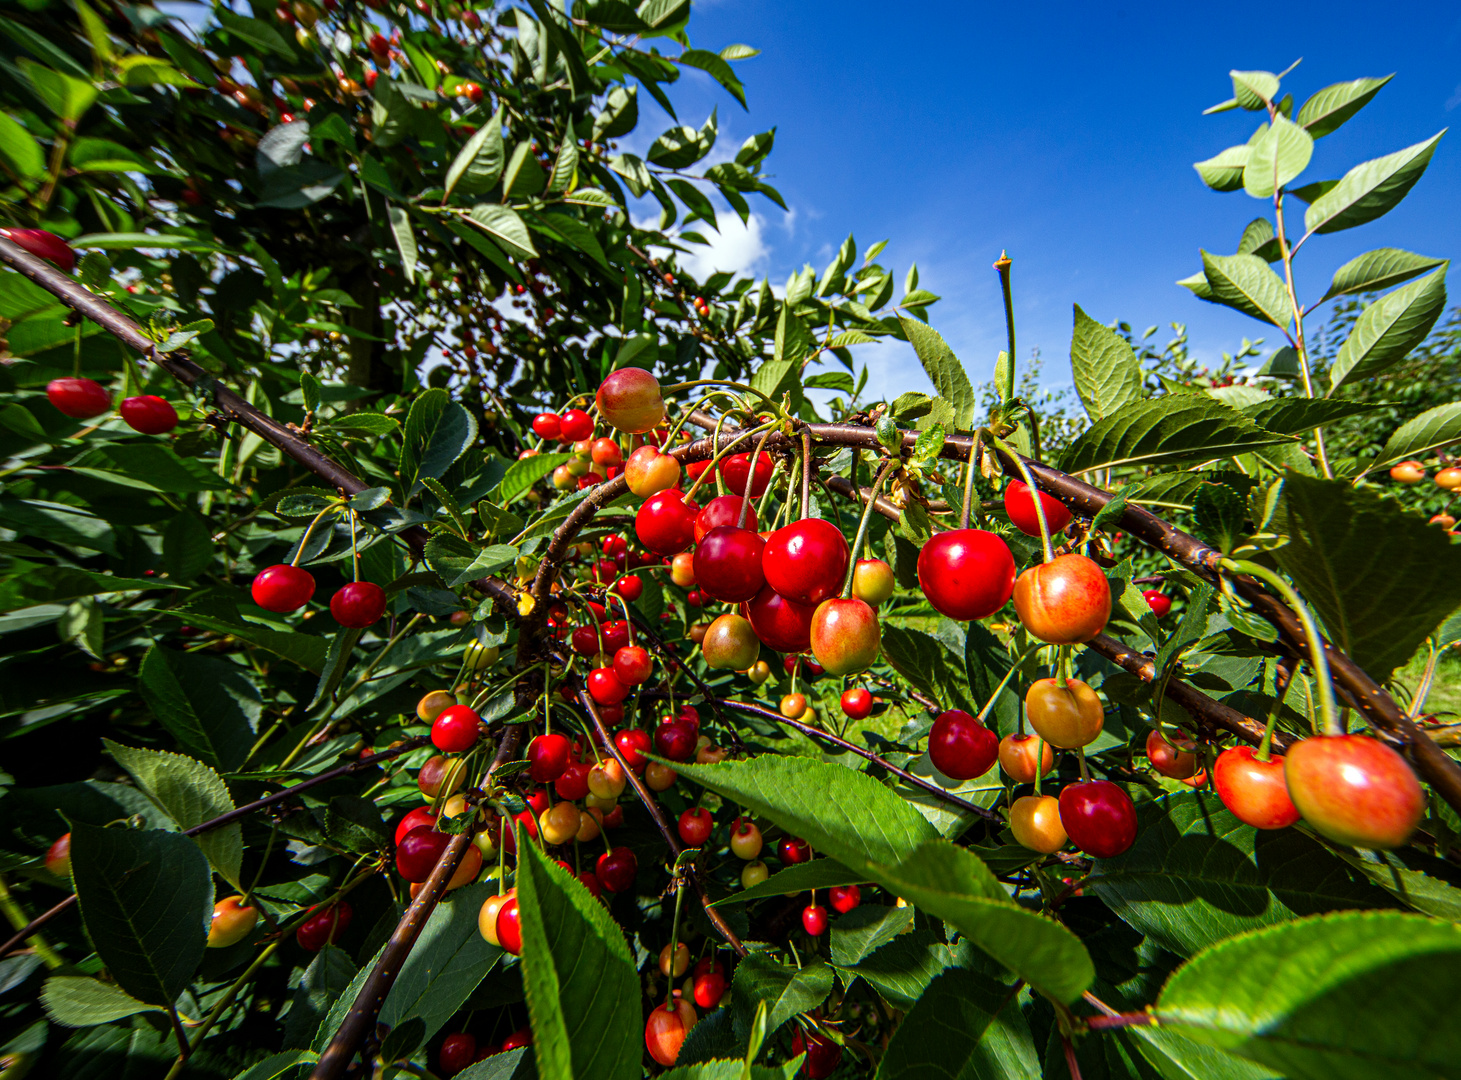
(1080, 753)
(304, 540)
(973, 467)
(1267, 743)
(751, 480)
(674, 937)
(1019, 460)
(862, 526)
(1002, 265)
(806, 473)
(690, 410)
(677, 387)
(722, 451)
(998, 690)
(354, 553)
(1317, 658)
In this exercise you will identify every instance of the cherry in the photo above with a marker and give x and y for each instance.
(587, 879)
(753, 873)
(674, 966)
(1025, 758)
(682, 569)
(323, 926)
(58, 857)
(845, 635)
(509, 927)
(43, 245)
(723, 510)
(1065, 601)
(872, 581)
(616, 870)
(806, 560)
(149, 414)
(1158, 601)
(416, 818)
(960, 746)
(966, 573)
(737, 470)
(605, 452)
(745, 839)
(1020, 507)
(844, 898)
(358, 604)
(459, 1050)
(559, 824)
(1254, 791)
(708, 988)
(605, 687)
(823, 1055)
(810, 668)
(80, 399)
(629, 400)
(487, 917)
(572, 782)
(547, 758)
(1355, 790)
(520, 1037)
(1175, 761)
(675, 740)
(781, 624)
(537, 800)
(793, 706)
(1065, 714)
(667, 1027)
(1098, 817)
(728, 563)
(633, 665)
(1449, 478)
(433, 776)
(616, 635)
(1035, 821)
(575, 425)
(814, 919)
(232, 922)
(614, 545)
(419, 851)
(695, 825)
(857, 703)
(456, 729)
(793, 850)
(632, 743)
(730, 643)
(630, 587)
(547, 425)
(665, 522)
(1408, 472)
(283, 588)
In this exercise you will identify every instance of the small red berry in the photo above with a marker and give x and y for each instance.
(283, 588)
(149, 414)
(456, 729)
(358, 604)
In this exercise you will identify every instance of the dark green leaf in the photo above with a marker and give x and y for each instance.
(478, 164)
(207, 704)
(1217, 511)
(438, 431)
(718, 69)
(964, 1025)
(1294, 416)
(503, 224)
(1170, 430)
(925, 663)
(864, 929)
(33, 583)
(785, 989)
(74, 1001)
(816, 874)
(1419, 436)
(1389, 328)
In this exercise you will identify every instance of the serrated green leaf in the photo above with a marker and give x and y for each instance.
(1248, 284)
(925, 663)
(1166, 431)
(1389, 328)
(865, 929)
(1378, 269)
(1225, 171)
(1293, 416)
(438, 432)
(1106, 371)
(1279, 155)
(362, 425)
(1420, 435)
(503, 224)
(478, 164)
(1371, 189)
(964, 1025)
(786, 990)
(75, 1001)
(799, 877)
(207, 704)
(1332, 106)
(718, 70)
(1253, 90)
(523, 474)
(400, 222)
(944, 370)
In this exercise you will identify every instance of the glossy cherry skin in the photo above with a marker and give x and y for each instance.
(487, 916)
(420, 816)
(80, 399)
(282, 588)
(1035, 821)
(548, 757)
(806, 560)
(632, 743)
(1065, 601)
(814, 919)
(960, 746)
(616, 635)
(728, 564)
(1158, 601)
(675, 740)
(873, 581)
(966, 573)
(520, 1037)
(323, 926)
(1177, 762)
(575, 425)
(456, 729)
(1254, 791)
(745, 839)
(43, 245)
(793, 850)
(457, 1052)
(737, 470)
(845, 634)
(358, 604)
(649, 470)
(723, 510)
(1355, 790)
(1020, 756)
(1098, 817)
(857, 703)
(695, 825)
(665, 522)
(616, 870)
(547, 425)
(823, 1055)
(633, 665)
(605, 687)
(58, 857)
(630, 587)
(1408, 472)
(572, 782)
(509, 927)
(666, 1029)
(730, 644)
(1066, 714)
(1021, 509)
(418, 852)
(149, 414)
(232, 922)
(844, 898)
(709, 988)
(629, 400)
(781, 624)
(606, 453)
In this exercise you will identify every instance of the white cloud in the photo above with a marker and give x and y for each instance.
(737, 248)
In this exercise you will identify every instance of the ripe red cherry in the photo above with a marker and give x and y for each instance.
(666, 1029)
(1355, 790)
(665, 523)
(1065, 601)
(358, 604)
(80, 399)
(585, 640)
(823, 1055)
(149, 414)
(616, 635)
(323, 926)
(456, 729)
(415, 819)
(737, 470)
(814, 919)
(695, 826)
(857, 703)
(605, 687)
(793, 850)
(846, 637)
(1020, 507)
(547, 425)
(629, 400)
(810, 669)
(844, 898)
(675, 740)
(806, 560)
(728, 564)
(633, 665)
(708, 988)
(781, 624)
(966, 573)
(58, 857)
(616, 869)
(960, 746)
(590, 882)
(1254, 791)
(283, 588)
(520, 1037)
(1098, 817)
(575, 425)
(1175, 760)
(1158, 601)
(606, 452)
(632, 743)
(547, 757)
(630, 587)
(572, 783)
(43, 245)
(509, 927)
(418, 852)
(723, 510)
(457, 1052)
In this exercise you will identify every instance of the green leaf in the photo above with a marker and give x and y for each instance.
(255, 32)
(1294, 416)
(447, 962)
(74, 1001)
(39, 583)
(355, 824)
(864, 929)
(964, 1026)
(187, 547)
(213, 611)
(1279, 155)
(1197, 875)
(190, 793)
(1379, 577)
(438, 432)
(620, 114)
(147, 900)
(148, 71)
(1370, 190)
(523, 474)
(1259, 239)
(582, 991)
(488, 561)
(1217, 513)
(1253, 90)
(718, 70)
(612, 15)
(1225, 171)
(1248, 284)
(926, 663)
(152, 467)
(281, 1064)
(565, 165)
(1411, 876)
(362, 425)
(1170, 430)
(478, 164)
(1389, 328)
(509, 1065)
(19, 149)
(1356, 996)
(503, 224)
(1419, 436)
(1378, 269)
(799, 877)
(786, 990)
(400, 222)
(67, 97)
(1332, 106)
(1106, 371)
(943, 367)
(207, 704)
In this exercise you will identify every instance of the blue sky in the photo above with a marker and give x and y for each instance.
(1066, 134)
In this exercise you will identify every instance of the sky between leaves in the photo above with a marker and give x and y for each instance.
(1063, 132)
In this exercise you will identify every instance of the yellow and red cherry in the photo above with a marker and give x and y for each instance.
(487, 916)
(1065, 713)
(629, 400)
(665, 522)
(846, 637)
(358, 604)
(605, 687)
(857, 703)
(682, 570)
(548, 757)
(843, 898)
(760, 672)
(149, 414)
(666, 1029)
(872, 581)
(1020, 507)
(434, 703)
(727, 564)
(736, 470)
(793, 706)
(730, 643)
(1035, 821)
(58, 857)
(559, 823)
(606, 453)
(649, 471)
(1158, 601)
(1025, 758)
(960, 746)
(781, 624)
(575, 425)
(439, 774)
(1177, 761)
(1254, 791)
(695, 825)
(616, 870)
(966, 574)
(1355, 790)
(753, 873)
(282, 588)
(1408, 472)
(420, 816)
(43, 245)
(745, 839)
(806, 560)
(548, 426)
(1065, 601)
(456, 729)
(233, 921)
(324, 925)
(674, 968)
(633, 665)
(723, 510)
(1449, 478)
(814, 920)
(1098, 817)
(509, 927)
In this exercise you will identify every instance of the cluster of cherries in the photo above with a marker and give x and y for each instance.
(1447, 479)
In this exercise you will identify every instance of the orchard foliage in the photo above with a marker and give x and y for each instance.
(442, 637)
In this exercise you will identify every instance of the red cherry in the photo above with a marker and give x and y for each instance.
(80, 399)
(823, 1055)
(547, 758)
(418, 852)
(283, 588)
(572, 783)
(844, 898)
(537, 800)
(737, 470)
(666, 1029)
(632, 743)
(456, 729)
(420, 816)
(323, 926)
(521, 1037)
(814, 919)
(793, 850)
(633, 665)
(630, 587)
(966, 573)
(675, 740)
(806, 560)
(149, 414)
(845, 635)
(616, 870)
(1158, 601)
(1098, 817)
(1065, 601)
(575, 425)
(509, 928)
(605, 687)
(665, 523)
(585, 640)
(1355, 790)
(43, 245)
(457, 1052)
(708, 989)
(358, 604)
(1171, 759)
(590, 882)
(1254, 791)
(695, 826)
(728, 564)
(614, 544)
(629, 400)
(960, 746)
(616, 635)
(781, 624)
(547, 425)
(857, 703)
(724, 510)
(1021, 510)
